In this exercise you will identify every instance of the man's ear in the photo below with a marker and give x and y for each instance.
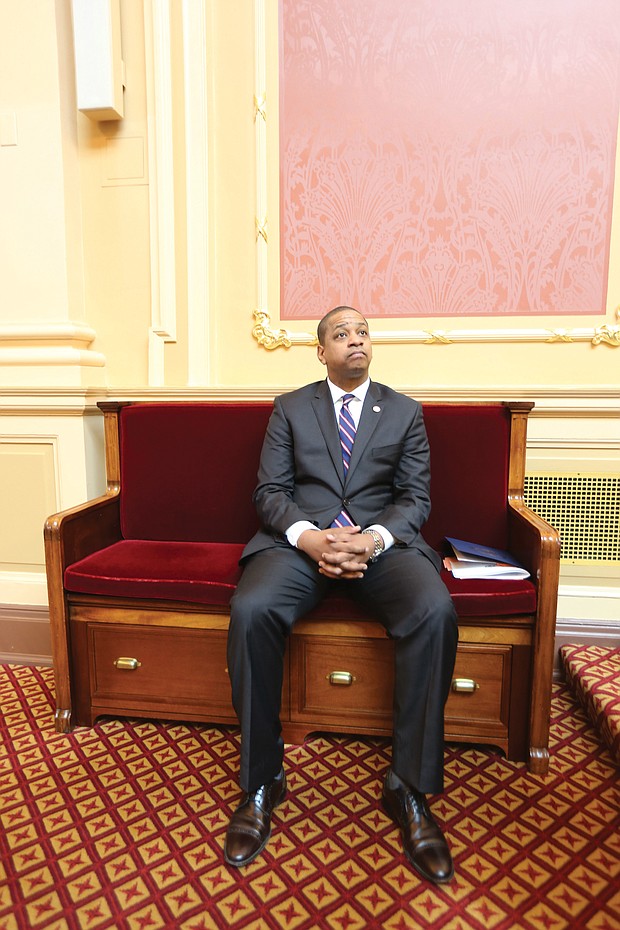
(320, 354)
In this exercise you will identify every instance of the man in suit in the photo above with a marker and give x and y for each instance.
(344, 508)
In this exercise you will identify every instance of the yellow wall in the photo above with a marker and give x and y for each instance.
(130, 266)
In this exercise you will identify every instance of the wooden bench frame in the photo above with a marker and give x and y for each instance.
(502, 685)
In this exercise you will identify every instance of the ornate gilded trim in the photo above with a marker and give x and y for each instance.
(271, 338)
(261, 230)
(260, 107)
(610, 335)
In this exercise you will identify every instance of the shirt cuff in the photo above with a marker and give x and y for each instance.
(294, 532)
(386, 536)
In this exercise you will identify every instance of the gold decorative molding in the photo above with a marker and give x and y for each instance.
(265, 336)
(610, 335)
(271, 338)
(261, 230)
(260, 107)
(438, 336)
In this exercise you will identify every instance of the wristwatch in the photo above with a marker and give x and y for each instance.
(379, 544)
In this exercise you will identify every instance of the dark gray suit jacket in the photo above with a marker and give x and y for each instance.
(301, 476)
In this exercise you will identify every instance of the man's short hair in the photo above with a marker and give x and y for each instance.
(320, 331)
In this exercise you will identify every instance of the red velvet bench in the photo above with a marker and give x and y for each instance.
(140, 580)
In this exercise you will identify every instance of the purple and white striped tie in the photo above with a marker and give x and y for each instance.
(346, 429)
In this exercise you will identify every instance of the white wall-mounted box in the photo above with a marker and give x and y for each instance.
(98, 58)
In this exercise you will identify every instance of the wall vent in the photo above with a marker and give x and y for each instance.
(584, 509)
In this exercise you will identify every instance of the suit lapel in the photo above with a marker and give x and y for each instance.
(323, 406)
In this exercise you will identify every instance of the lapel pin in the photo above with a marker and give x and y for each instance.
(376, 409)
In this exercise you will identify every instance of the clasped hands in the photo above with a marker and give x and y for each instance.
(341, 552)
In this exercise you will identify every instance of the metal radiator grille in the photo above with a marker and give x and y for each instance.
(584, 509)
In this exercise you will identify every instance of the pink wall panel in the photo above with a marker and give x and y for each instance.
(444, 157)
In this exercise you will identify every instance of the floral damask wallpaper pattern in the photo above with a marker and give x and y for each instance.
(442, 157)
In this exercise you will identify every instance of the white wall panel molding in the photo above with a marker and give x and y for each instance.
(157, 36)
(561, 402)
(262, 178)
(51, 355)
(51, 401)
(63, 347)
(199, 322)
(51, 457)
(65, 333)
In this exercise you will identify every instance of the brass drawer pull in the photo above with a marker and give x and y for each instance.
(340, 678)
(127, 664)
(464, 685)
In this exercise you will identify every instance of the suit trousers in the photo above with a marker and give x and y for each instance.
(404, 591)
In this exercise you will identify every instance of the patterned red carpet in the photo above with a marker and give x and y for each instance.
(122, 826)
(593, 673)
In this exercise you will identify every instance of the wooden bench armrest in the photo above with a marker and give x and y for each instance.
(537, 545)
(69, 536)
(85, 529)
(532, 540)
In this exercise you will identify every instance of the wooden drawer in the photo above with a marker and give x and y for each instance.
(339, 680)
(172, 673)
(478, 707)
(347, 684)
(173, 665)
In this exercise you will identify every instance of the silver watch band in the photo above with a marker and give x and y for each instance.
(379, 544)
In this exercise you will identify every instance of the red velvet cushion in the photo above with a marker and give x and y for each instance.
(469, 473)
(488, 597)
(202, 573)
(472, 598)
(188, 471)
(207, 573)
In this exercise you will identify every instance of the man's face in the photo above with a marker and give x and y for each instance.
(347, 349)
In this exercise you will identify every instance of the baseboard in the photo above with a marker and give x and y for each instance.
(25, 635)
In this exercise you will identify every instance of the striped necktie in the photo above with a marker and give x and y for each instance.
(346, 429)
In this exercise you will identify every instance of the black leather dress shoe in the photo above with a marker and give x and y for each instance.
(250, 825)
(424, 843)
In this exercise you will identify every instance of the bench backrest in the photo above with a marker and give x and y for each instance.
(470, 457)
(188, 470)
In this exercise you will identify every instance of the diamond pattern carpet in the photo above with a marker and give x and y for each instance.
(593, 674)
(122, 826)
